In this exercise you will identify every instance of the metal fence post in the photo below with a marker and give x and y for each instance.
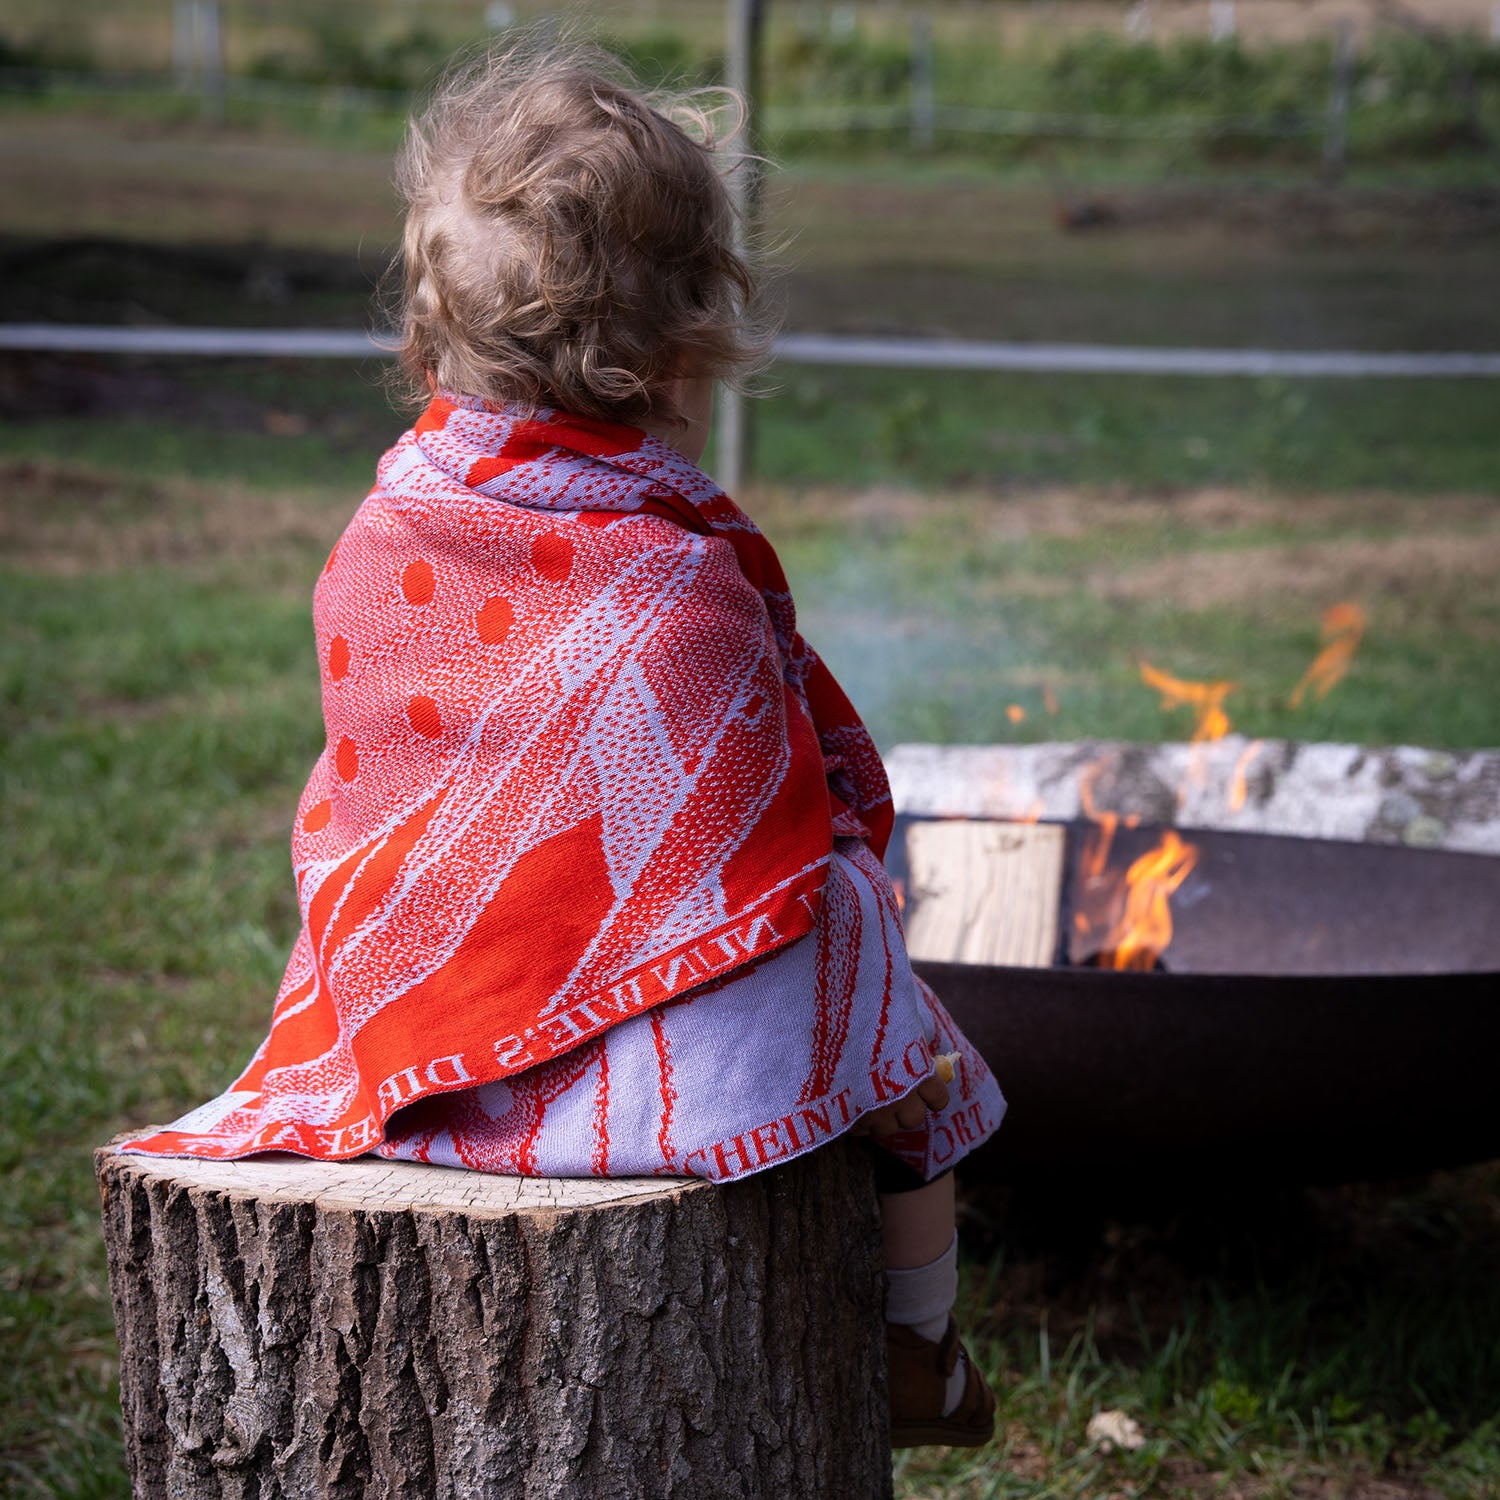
(211, 58)
(741, 73)
(184, 41)
(198, 52)
(1336, 141)
(923, 90)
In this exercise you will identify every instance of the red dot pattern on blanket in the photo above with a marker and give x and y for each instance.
(338, 658)
(417, 582)
(424, 716)
(552, 556)
(493, 621)
(317, 816)
(346, 759)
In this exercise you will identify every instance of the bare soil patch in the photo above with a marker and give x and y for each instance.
(109, 279)
(357, 411)
(79, 174)
(1298, 267)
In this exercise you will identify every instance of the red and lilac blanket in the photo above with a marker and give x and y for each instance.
(589, 866)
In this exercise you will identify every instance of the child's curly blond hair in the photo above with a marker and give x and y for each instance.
(567, 243)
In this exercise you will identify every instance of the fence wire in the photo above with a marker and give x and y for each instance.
(803, 348)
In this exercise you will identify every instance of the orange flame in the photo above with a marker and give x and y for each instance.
(1015, 713)
(1206, 699)
(1343, 627)
(1132, 910)
(1239, 788)
(1095, 855)
(1143, 929)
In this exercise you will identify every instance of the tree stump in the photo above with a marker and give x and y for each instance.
(379, 1329)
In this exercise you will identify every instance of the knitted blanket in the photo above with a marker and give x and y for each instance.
(579, 763)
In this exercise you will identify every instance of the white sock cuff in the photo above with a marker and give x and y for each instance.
(918, 1295)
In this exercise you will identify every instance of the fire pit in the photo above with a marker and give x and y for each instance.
(1323, 1010)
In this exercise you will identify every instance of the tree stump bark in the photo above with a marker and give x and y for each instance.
(378, 1329)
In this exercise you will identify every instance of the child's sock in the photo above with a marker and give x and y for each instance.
(921, 1297)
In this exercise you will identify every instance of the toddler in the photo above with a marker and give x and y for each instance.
(589, 869)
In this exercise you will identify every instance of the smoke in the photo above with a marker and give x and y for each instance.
(916, 664)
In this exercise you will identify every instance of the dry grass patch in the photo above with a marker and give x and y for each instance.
(65, 520)
(1070, 512)
(1427, 563)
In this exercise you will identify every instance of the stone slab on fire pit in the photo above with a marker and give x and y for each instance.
(1443, 799)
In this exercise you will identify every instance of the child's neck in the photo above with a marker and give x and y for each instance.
(694, 400)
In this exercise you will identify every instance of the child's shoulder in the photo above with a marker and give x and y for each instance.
(421, 540)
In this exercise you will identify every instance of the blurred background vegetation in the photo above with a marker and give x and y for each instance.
(1060, 83)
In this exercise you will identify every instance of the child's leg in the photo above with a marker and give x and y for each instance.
(936, 1396)
(920, 1244)
(917, 1227)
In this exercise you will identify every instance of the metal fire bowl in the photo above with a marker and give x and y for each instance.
(1317, 1079)
(1306, 1076)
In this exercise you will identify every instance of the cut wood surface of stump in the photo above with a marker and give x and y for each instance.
(365, 1328)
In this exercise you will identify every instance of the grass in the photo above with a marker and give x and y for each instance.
(1012, 529)
(1284, 1344)
(819, 425)
(847, 426)
(152, 724)
(158, 710)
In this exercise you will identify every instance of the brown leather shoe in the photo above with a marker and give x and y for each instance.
(919, 1371)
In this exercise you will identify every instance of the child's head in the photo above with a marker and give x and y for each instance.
(567, 244)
